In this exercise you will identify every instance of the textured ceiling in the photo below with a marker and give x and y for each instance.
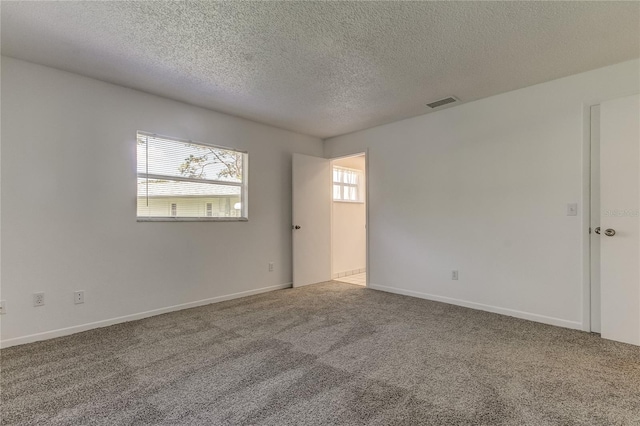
(322, 68)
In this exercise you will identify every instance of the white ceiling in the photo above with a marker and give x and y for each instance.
(322, 68)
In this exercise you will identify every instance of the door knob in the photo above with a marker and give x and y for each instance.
(610, 232)
(296, 227)
(597, 230)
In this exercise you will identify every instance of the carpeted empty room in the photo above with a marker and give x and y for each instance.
(326, 354)
(316, 212)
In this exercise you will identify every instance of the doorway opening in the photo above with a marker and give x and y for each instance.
(330, 246)
(349, 219)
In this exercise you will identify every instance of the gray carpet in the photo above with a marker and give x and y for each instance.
(328, 354)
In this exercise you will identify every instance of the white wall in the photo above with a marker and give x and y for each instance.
(483, 188)
(69, 206)
(348, 232)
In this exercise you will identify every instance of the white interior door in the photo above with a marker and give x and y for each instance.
(619, 214)
(311, 220)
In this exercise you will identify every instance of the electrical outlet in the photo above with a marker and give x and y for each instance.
(3, 307)
(78, 297)
(271, 265)
(38, 299)
(454, 275)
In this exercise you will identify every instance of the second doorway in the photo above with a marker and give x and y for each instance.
(349, 220)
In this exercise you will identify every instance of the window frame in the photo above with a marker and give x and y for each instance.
(358, 186)
(243, 185)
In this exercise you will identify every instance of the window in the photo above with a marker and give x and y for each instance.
(347, 184)
(204, 181)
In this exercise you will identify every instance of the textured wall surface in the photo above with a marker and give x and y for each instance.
(322, 68)
(69, 205)
(483, 189)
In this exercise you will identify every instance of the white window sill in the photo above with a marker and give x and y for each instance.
(192, 219)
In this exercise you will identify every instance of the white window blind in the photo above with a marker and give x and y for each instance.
(195, 180)
(347, 184)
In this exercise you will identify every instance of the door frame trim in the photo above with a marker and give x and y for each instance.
(366, 208)
(586, 216)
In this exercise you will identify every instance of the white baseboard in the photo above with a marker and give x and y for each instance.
(348, 273)
(473, 305)
(104, 323)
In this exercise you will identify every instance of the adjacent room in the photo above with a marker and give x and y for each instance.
(349, 220)
(319, 213)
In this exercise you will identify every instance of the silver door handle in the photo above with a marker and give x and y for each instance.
(610, 232)
(296, 227)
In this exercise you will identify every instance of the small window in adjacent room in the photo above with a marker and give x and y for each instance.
(203, 180)
(347, 185)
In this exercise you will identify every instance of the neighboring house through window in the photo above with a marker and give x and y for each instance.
(204, 181)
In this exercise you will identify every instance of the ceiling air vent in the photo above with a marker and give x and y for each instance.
(442, 102)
